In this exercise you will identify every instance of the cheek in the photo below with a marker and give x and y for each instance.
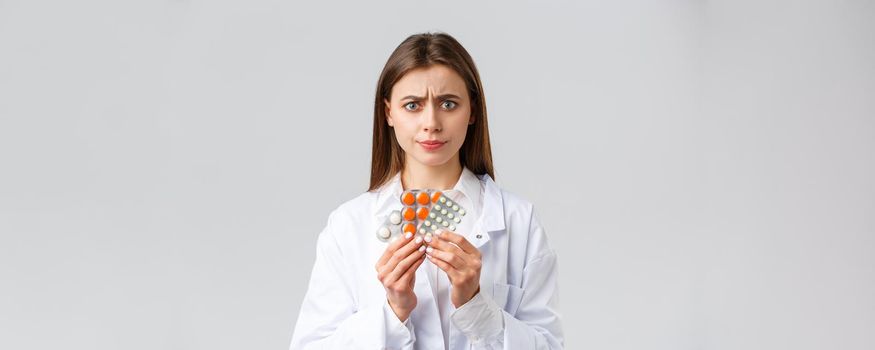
(460, 128)
(404, 132)
(403, 126)
(460, 137)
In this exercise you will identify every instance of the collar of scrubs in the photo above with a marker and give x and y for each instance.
(478, 193)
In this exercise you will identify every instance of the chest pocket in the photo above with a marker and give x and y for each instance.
(507, 296)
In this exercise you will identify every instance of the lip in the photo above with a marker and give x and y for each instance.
(431, 145)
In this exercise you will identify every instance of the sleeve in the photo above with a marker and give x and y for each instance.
(536, 324)
(480, 319)
(329, 318)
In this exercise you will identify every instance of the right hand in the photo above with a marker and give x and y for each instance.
(396, 269)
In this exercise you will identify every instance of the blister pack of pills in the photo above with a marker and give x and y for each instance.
(422, 212)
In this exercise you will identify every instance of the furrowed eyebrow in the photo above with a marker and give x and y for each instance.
(420, 98)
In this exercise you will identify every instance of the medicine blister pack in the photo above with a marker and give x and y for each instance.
(422, 212)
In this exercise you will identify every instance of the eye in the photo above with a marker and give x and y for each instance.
(449, 104)
(408, 104)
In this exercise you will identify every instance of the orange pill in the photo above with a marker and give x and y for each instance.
(422, 198)
(422, 213)
(408, 214)
(435, 197)
(409, 228)
(407, 198)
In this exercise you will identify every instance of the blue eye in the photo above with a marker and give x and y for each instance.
(452, 104)
(407, 104)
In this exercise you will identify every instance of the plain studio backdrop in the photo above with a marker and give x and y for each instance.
(704, 169)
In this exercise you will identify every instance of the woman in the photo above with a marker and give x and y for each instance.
(489, 284)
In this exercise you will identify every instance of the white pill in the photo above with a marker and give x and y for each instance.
(422, 230)
(449, 203)
(384, 232)
(438, 219)
(427, 223)
(456, 207)
(445, 224)
(431, 215)
(450, 215)
(437, 207)
(443, 200)
(462, 212)
(395, 217)
(457, 220)
(452, 228)
(444, 211)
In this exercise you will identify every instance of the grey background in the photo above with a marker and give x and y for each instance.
(703, 168)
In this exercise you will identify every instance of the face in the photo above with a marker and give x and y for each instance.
(430, 111)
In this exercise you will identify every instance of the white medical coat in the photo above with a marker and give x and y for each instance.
(345, 306)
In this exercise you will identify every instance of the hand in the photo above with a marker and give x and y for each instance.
(396, 269)
(460, 260)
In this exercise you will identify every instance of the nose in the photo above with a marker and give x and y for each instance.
(430, 121)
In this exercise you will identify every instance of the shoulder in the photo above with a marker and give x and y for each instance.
(519, 212)
(361, 202)
(523, 226)
(350, 216)
(354, 208)
(515, 203)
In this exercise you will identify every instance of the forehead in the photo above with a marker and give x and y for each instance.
(435, 79)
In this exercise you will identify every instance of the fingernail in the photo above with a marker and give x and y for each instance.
(408, 235)
(439, 232)
(428, 250)
(428, 239)
(422, 248)
(418, 239)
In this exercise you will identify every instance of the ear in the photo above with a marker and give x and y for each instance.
(472, 119)
(386, 112)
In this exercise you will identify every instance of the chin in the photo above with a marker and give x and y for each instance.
(432, 159)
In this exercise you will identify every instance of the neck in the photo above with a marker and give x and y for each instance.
(417, 175)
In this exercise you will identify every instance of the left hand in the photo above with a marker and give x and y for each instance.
(460, 260)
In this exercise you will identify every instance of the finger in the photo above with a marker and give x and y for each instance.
(404, 266)
(459, 240)
(448, 247)
(443, 265)
(394, 245)
(398, 256)
(391, 248)
(411, 272)
(454, 259)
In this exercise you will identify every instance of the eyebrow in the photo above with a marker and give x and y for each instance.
(420, 98)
